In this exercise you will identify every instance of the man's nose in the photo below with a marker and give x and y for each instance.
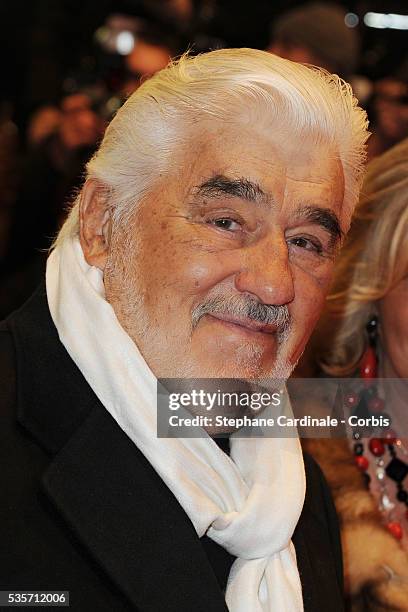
(266, 272)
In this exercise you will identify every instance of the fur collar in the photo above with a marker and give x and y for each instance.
(375, 565)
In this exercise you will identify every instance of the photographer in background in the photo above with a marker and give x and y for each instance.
(60, 139)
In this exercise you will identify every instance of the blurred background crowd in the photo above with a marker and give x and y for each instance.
(69, 65)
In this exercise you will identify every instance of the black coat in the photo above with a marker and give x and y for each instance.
(82, 510)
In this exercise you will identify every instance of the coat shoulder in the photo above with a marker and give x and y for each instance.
(8, 375)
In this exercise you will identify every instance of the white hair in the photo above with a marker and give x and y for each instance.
(141, 141)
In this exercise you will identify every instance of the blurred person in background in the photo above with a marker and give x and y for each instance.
(147, 57)
(60, 141)
(368, 315)
(316, 33)
(43, 123)
(152, 50)
(389, 108)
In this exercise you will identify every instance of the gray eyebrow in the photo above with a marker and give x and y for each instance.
(220, 185)
(325, 217)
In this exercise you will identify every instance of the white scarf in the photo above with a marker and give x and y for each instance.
(249, 503)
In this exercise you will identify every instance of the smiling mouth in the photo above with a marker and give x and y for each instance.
(246, 323)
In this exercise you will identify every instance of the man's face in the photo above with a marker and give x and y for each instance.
(247, 220)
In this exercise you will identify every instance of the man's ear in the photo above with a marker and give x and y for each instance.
(95, 224)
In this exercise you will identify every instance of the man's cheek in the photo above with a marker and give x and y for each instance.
(311, 289)
(304, 315)
(201, 274)
(198, 274)
(314, 279)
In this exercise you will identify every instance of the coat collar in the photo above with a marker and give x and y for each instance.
(129, 520)
(52, 396)
(120, 509)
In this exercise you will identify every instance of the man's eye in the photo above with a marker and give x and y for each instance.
(307, 244)
(226, 223)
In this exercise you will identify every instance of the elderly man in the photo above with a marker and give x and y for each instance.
(201, 245)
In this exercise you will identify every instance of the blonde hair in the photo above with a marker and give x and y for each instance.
(141, 141)
(374, 259)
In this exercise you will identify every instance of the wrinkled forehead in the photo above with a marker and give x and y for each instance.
(281, 164)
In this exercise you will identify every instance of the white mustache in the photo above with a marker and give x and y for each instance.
(246, 307)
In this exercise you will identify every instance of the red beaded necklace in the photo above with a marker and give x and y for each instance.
(370, 403)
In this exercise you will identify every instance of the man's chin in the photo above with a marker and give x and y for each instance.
(250, 369)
